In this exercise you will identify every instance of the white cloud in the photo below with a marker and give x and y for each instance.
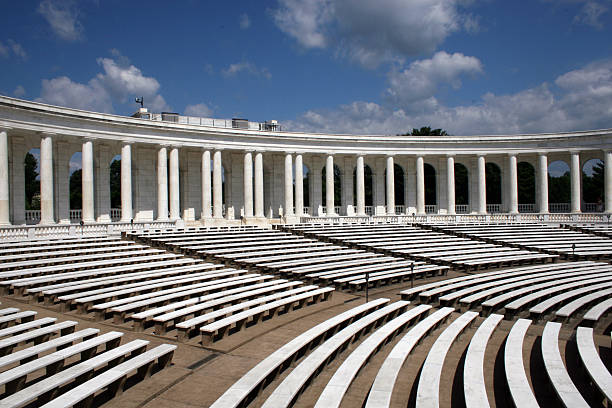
(245, 22)
(371, 32)
(119, 82)
(248, 67)
(590, 14)
(62, 16)
(200, 109)
(423, 77)
(19, 91)
(578, 100)
(13, 48)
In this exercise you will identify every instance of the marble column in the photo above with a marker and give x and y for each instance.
(248, 184)
(575, 174)
(217, 186)
(360, 184)
(4, 179)
(206, 185)
(299, 185)
(608, 180)
(513, 186)
(162, 184)
(450, 183)
(87, 180)
(390, 186)
(126, 183)
(482, 185)
(420, 185)
(46, 179)
(542, 181)
(259, 185)
(288, 185)
(329, 185)
(175, 197)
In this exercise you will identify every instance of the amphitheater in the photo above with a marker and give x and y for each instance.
(251, 267)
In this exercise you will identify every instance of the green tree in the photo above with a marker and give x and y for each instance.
(115, 183)
(32, 185)
(593, 185)
(461, 185)
(493, 183)
(76, 186)
(526, 183)
(559, 188)
(425, 131)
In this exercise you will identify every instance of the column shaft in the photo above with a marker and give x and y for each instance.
(543, 183)
(575, 181)
(217, 186)
(329, 185)
(360, 183)
(450, 184)
(288, 185)
(46, 180)
(4, 179)
(608, 180)
(162, 184)
(259, 186)
(126, 183)
(420, 185)
(482, 186)
(87, 181)
(513, 186)
(299, 185)
(175, 210)
(248, 184)
(206, 185)
(390, 186)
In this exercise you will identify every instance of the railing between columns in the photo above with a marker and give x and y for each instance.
(462, 208)
(369, 210)
(527, 208)
(493, 208)
(431, 208)
(559, 207)
(400, 209)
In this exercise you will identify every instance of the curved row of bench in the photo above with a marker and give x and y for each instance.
(290, 371)
(422, 245)
(292, 256)
(77, 365)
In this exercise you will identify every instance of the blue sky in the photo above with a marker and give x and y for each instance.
(358, 66)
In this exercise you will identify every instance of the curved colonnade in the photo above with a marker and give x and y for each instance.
(178, 170)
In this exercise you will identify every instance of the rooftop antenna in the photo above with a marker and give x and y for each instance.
(140, 101)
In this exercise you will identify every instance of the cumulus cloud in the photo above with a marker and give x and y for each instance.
(201, 109)
(19, 91)
(63, 17)
(12, 48)
(590, 14)
(578, 99)
(423, 77)
(371, 32)
(247, 67)
(118, 82)
(245, 21)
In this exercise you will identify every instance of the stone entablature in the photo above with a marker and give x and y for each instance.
(182, 171)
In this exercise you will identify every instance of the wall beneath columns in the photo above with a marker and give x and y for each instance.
(16, 158)
(144, 182)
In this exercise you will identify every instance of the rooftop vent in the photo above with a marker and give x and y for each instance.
(170, 117)
(240, 123)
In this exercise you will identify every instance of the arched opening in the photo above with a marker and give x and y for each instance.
(559, 187)
(76, 187)
(526, 187)
(115, 187)
(337, 186)
(306, 192)
(31, 168)
(431, 199)
(368, 187)
(593, 185)
(462, 189)
(493, 183)
(398, 184)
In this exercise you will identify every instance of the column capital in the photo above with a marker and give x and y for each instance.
(542, 153)
(389, 154)
(481, 155)
(127, 142)
(5, 128)
(450, 155)
(574, 151)
(47, 134)
(248, 150)
(512, 154)
(289, 153)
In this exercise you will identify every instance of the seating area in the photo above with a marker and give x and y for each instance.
(546, 239)
(44, 361)
(412, 242)
(415, 352)
(292, 256)
(148, 289)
